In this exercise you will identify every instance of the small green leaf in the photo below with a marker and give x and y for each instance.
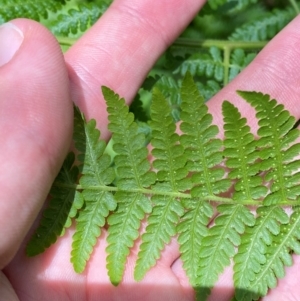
(161, 227)
(96, 176)
(202, 148)
(64, 203)
(251, 254)
(192, 229)
(242, 154)
(218, 247)
(133, 177)
(274, 123)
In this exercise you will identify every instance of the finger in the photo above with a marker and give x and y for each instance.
(52, 272)
(119, 50)
(6, 290)
(35, 127)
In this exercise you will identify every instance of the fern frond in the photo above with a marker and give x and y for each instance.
(171, 176)
(277, 153)
(96, 176)
(133, 176)
(209, 64)
(240, 151)
(64, 203)
(192, 229)
(31, 9)
(278, 256)
(202, 148)
(218, 247)
(78, 20)
(265, 27)
(252, 251)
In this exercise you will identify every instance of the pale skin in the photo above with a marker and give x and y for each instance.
(36, 127)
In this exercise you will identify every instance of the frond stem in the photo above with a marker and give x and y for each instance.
(184, 42)
(180, 195)
(226, 62)
(66, 41)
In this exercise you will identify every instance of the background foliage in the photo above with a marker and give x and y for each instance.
(221, 40)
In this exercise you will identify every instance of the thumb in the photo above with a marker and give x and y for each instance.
(35, 126)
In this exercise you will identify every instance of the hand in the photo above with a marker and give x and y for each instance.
(37, 86)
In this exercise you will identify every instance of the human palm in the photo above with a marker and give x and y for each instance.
(36, 125)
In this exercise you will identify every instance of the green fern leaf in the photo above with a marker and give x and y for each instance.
(172, 177)
(278, 255)
(208, 64)
(241, 154)
(208, 89)
(237, 4)
(133, 176)
(218, 247)
(64, 204)
(78, 20)
(264, 28)
(170, 88)
(124, 228)
(203, 150)
(251, 254)
(192, 229)
(161, 227)
(31, 9)
(96, 176)
(277, 153)
(238, 61)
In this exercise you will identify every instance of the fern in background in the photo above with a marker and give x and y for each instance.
(31, 9)
(219, 43)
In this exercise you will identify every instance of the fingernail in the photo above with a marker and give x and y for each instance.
(11, 38)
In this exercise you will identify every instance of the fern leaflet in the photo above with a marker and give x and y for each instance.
(218, 246)
(237, 4)
(278, 255)
(265, 27)
(28, 9)
(63, 205)
(241, 153)
(171, 90)
(133, 176)
(239, 60)
(277, 134)
(77, 20)
(96, 173)
(209, 64)
(251, 253)
(192, 228)
(203, 150)
(171, 176)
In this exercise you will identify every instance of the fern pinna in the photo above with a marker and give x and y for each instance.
(175, 192)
